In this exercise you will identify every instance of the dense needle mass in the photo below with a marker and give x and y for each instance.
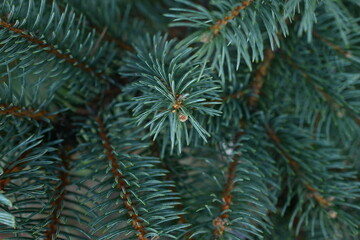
(179, 119)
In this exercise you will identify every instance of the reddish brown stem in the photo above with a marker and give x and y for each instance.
(258, 81)
(20, 112)
(60, 193)
(320, 90)
(235, 95)
(259, 77)
(332, 45)
(50, 49)
(296, 168)
(5, 181)
(220, 221)
(121, 183)
(234, 13)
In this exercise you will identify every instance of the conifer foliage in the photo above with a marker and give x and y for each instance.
(179, 119)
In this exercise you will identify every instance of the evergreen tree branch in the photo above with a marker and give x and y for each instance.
(333, 103)
(60, 193)
(167, 177)
(296, 168)
(147, 206)
(117, 41)
(241, 40)
(259, 76)
(220, 221)
(10, 170)
(234, 13)
(332, 45)
(137, 223)
(29, 167)
(22, 113)
(112, 185)
(51, 49)
(235, 95)
(108, 36)
(171, 94)
(67, 216)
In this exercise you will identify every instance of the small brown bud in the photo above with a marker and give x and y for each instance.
(182, 117)
(219, 222)
(341, 113)
(348, 54)
(330, 199)
(333, 214)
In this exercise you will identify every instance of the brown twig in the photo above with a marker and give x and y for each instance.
(234, 13)
(60, 193)
(258, 80)
(236, 95)
(259, 77)
(137, 223)
(296, 168)
(50, 49)
(220, 221)
(335, 105)
(6, 181)
(20, 112)
(14, 169)
(166, 85)
(332, 45)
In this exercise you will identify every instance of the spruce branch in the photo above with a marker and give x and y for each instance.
(239, 38)
(333, 103)
(168, 177)
(51, 49)
(290, 172)
(220, 221)
(332, 45)
(234, 13)
(259, 77)
(60, 47)
(28, 163)
(227, 196)
(100, 30)
(315, 177)
(122, 185)
(59, 198)
(219, 201)
(247, 92)
(174, 90)
(10, 170)
(296, 168)
(139, 196)
(20, 112)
